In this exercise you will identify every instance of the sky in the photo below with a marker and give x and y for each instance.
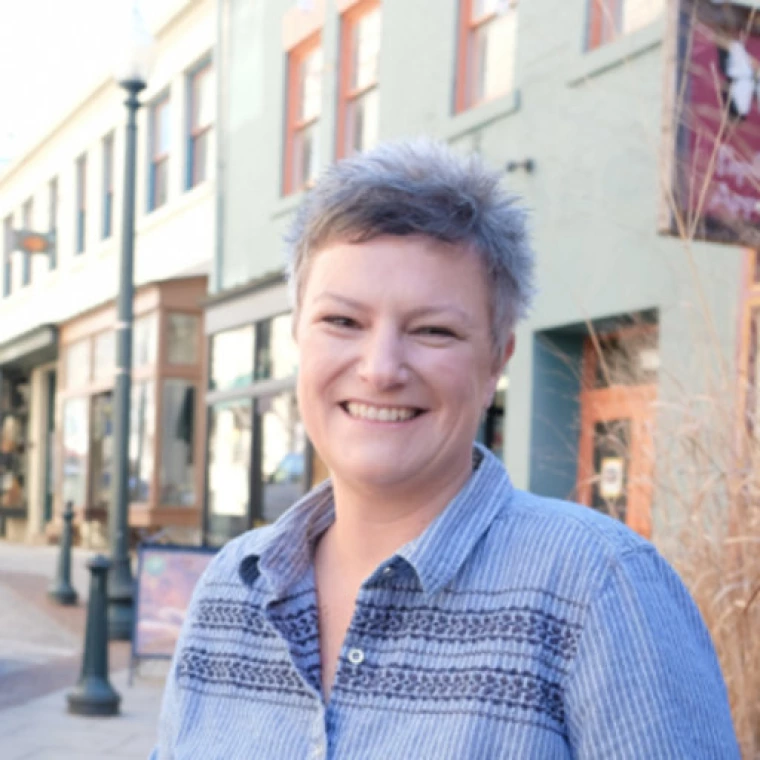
(51, 51)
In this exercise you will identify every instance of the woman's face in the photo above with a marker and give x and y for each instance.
(396, 364)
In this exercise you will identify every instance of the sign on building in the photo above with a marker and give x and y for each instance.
(711, 149)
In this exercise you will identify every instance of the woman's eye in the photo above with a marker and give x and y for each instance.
(338, 321)
(436, 332)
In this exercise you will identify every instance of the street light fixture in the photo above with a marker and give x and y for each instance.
(131, 73)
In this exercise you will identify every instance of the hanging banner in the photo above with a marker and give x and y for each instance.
(711, 125)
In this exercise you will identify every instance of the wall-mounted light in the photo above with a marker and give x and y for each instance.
(527, 164)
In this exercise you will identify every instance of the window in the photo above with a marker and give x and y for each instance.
(145, 340)
(488, 30)
(27, 213)
(182, 332)
(8, 243)
(257, 446)
(160, 140)
(305, 68)
(177, 481)
(201, 118)
(229, 469)
(53, 222)
(107, 228)
(75, 447)
(104, 356)
(81, 201)
(358, 104)
(232, 353)
(142, 440)
(610, 19)
(77, 367)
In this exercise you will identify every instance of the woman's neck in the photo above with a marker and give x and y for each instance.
(370, 526)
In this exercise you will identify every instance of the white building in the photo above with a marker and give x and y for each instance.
(70, 183)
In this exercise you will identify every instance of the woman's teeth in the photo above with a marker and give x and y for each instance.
(379, 413)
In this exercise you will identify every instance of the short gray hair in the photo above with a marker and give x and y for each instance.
(421, 187)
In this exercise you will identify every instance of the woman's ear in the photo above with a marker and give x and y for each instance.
(500, 364)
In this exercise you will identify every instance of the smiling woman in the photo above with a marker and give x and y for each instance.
(416, 604)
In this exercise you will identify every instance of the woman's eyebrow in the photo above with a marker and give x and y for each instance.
(327, 296)
(434, 310)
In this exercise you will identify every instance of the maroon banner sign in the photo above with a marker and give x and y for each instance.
(712, 123)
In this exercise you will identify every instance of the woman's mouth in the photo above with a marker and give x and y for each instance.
(361, 411)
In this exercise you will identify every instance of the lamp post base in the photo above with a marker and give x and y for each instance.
(94, 696)
(64, 595)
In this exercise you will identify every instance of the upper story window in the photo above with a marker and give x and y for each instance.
(201, 118)
(160, 140)
(53, 221)
(486, 62)
(27, 222)
(107, 228)
(358, 105)
(610, 19)
(80, 221)
(305, 69)
(7, 259)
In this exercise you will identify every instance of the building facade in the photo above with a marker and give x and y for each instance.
(57, 307)
(566, 98)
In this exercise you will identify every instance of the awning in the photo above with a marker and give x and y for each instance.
(38, 346)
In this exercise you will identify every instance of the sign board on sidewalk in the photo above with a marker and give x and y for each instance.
(711, 126)
(166, 577)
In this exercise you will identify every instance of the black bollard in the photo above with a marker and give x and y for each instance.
(93, 694)
(61, 589)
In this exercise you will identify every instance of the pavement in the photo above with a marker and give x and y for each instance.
(41, 646)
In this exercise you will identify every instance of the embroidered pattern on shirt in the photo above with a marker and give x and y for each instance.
(441, 687)
(515, 624)
(199, 666)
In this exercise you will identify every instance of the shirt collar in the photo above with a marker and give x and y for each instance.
(283, 550)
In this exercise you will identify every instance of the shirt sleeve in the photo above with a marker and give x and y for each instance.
(645, 681)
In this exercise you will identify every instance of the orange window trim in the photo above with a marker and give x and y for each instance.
(299, 25)
(349, 20)
(468, 27)
(601, 14)
(293, 124)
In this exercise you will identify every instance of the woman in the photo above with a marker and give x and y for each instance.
(417, 605)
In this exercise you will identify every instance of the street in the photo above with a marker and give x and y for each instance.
(40, 659)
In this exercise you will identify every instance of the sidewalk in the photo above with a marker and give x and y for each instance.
(43, 730)
(41, 646)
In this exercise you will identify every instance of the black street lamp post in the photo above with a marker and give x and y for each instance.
(120, 582)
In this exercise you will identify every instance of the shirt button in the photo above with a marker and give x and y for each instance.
(356, 656)
(388, 570)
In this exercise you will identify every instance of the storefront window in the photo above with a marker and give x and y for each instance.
(276, 354)
(142, 441)
(232, 355)
(78, 364)
(75, 445)
(283, 455)
(145, 340)
(14, 413)
(101, 450)
(182, 338)
(177, 443)
(229, 469)
(104, 358)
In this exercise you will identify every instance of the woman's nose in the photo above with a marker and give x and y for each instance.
(383, 362)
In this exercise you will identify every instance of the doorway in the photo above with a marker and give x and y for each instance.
(615, 453)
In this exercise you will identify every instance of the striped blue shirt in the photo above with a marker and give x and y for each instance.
(513, 627)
